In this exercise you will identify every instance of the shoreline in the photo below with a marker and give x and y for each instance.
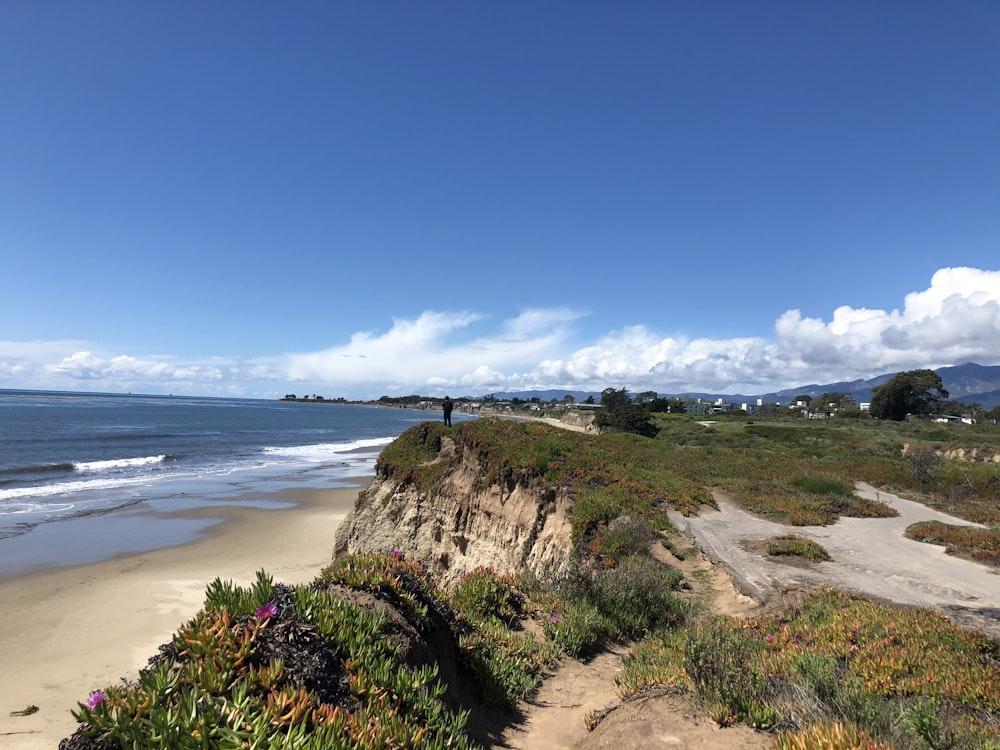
(73, 629)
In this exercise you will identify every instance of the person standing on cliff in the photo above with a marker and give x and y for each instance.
(447, 405)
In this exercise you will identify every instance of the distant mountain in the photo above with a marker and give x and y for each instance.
(965, 381)
(971, 382)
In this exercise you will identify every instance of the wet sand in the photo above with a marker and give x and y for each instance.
(68, 631)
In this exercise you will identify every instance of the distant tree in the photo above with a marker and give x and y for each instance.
(833, 400)
(644, 397)
(910, 392)
(664, 405)
(589, 400)
(612, 399)
(621, 414)
(568, 399)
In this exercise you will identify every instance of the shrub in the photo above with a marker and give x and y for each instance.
(625, 536)
(723, 662)
(924, 462)
(823, 486)
(576, 626)
(637, 596)
(791, 544)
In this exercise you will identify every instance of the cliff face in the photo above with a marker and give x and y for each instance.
(461, 524)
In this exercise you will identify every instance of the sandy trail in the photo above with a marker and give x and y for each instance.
(870, 556)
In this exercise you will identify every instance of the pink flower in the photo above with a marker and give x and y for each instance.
(267, 611)
(768, 637)
(397, 553)
(96, 698)
(553, 620)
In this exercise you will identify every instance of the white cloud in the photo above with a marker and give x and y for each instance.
(956, 319)
(76, 365)
(428, 352)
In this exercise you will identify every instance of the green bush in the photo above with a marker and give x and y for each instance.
(798, 546)
(625, 536)
(637, 596)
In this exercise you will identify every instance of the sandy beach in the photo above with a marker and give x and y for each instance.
(68, 631)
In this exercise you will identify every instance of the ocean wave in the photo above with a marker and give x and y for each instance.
(321, 451)
(118, 463)
(63, 468)
(62, 488)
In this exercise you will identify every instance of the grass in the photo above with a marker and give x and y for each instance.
(797, 546)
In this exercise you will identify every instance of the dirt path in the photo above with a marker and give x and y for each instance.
(870, 556)
(556, 718)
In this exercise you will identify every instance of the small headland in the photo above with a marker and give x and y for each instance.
(497, 573)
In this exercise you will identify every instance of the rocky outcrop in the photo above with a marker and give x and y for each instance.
(461, 524)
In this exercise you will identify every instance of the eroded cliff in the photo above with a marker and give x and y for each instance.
(467, 515)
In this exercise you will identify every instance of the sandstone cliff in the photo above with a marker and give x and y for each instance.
(461, 522)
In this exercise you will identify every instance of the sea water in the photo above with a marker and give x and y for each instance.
(66, 456)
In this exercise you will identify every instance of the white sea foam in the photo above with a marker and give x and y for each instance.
(62, 488)
(118, 463)
(321, 451)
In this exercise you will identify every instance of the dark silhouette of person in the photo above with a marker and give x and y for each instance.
(447, 410)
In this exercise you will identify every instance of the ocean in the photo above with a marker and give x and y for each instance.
(72, 456)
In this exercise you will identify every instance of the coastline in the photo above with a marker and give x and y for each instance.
(71, 630)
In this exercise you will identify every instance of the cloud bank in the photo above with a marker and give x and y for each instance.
(955, 320)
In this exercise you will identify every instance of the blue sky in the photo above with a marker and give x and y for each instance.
(365, 199)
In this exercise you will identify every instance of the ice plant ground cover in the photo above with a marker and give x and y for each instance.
(907, 677)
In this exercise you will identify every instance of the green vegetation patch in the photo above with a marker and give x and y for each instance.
(608, 475)
(968, 541)
(275, 666)
(905, 677)
(508, 664)
(797, 546)
(410, 457)
(587, 607)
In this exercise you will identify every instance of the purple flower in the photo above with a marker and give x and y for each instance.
(553, 620)
(768, 637)
(266, 611)
(397, 553)
(96, 698)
